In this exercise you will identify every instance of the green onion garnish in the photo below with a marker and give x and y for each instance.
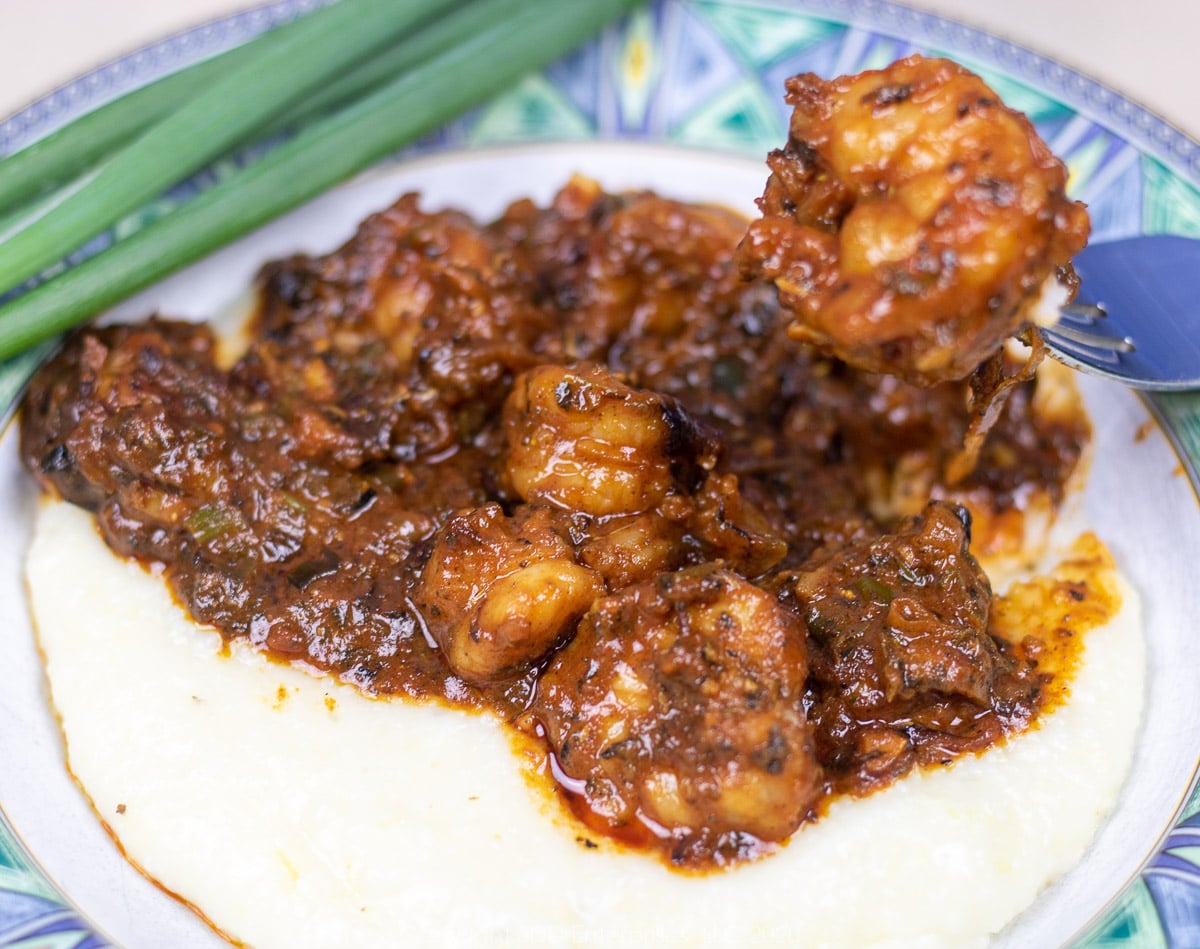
(58, 158)
(876, 590)
(210, 522)
(310, 52)
(507, 39)
(73, 149)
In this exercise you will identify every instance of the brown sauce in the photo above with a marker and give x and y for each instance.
(570, 468)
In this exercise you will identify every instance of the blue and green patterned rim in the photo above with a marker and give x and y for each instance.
(709, 74)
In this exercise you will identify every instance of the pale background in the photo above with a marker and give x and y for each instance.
(1144, 48)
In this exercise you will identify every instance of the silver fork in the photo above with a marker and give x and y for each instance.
(1138, 317)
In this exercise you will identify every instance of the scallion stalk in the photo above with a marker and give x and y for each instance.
(58, 158)
(81, 144)
(522, 35)
(385, 66)
(314, 50)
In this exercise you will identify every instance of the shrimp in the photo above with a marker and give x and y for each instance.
(496, 593)
(582, 440)
(678, 710)
(913, 221)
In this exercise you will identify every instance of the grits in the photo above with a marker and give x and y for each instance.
(293, 812)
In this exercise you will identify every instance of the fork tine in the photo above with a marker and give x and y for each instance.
(1082, 357)
(1093, 344)
(1112, 344)
(1085, 313)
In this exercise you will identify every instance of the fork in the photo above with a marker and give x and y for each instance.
(1142, 324)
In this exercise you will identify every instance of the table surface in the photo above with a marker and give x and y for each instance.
(1145, 49)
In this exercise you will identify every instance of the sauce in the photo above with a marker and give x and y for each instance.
(454, 458)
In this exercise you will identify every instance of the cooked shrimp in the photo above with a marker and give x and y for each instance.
(913, 221)
(499, 592)
(678, 711)
(582, 440)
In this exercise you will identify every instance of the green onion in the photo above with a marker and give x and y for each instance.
(24, 215)
(78, 146)
(380, 69)
(60, 156)
(522, 35)
(876, 590)
(312, 51)
(210, 522)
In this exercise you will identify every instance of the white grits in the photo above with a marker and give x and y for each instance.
(323, 818)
